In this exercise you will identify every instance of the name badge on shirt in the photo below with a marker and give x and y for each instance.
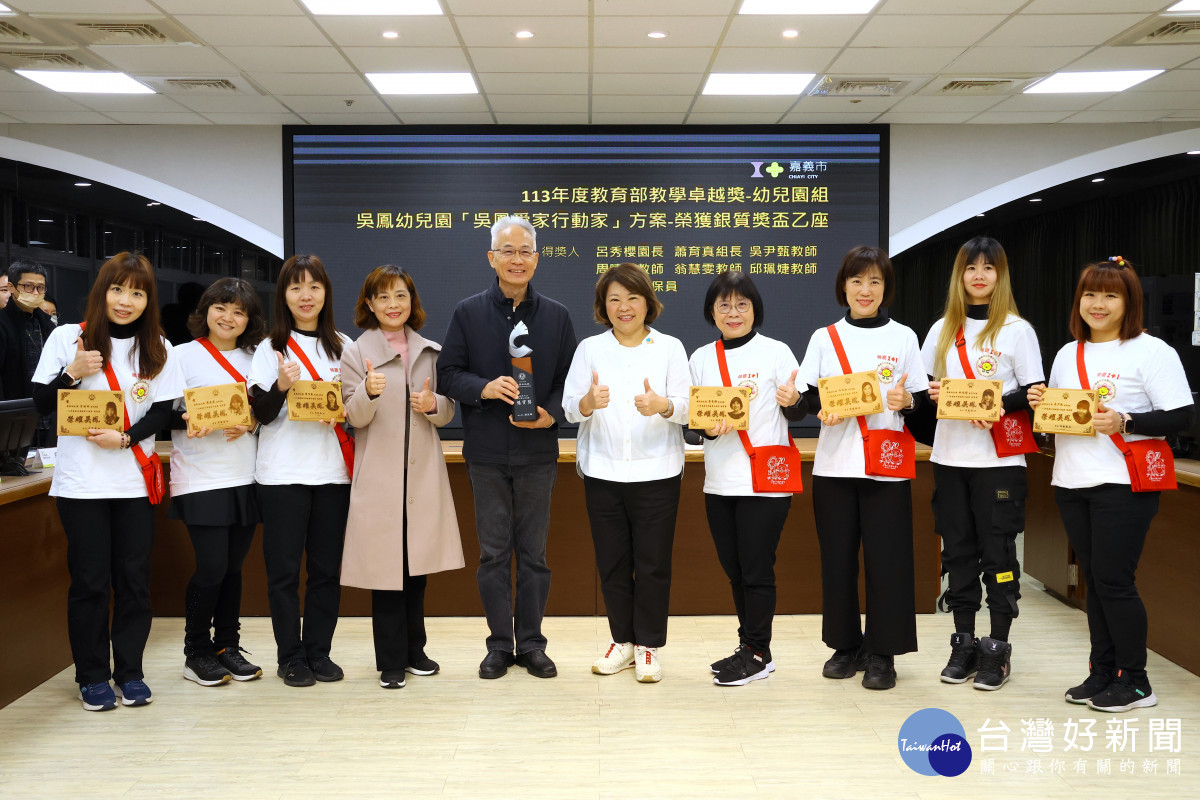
(140, 390)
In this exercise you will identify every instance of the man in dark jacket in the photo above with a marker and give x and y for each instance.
(24, 328)
(512, 465)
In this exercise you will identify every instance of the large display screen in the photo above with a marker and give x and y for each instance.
(781, 203)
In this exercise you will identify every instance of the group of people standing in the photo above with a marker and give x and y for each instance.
(375, 510)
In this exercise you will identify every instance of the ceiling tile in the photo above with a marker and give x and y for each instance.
(327, 104)
(631, 59)
(1018, 117)
(276, 8)
(408, 59)
(442, 103)
(926, 117)
(252, 118)
(840, 118)
(940, 104)
(681, 31)
(440, 118)
(1147, 101)
(647, 84)
(1094, 6)
(11, 82)
(926, 31)
(368, 31)
(204, 103)
(85, 7)
(1049, 102)
(665, 103)
(719, 118)
(1178, 80)
(754, 30)
(369, 118)
(294, 83)
(144, 103)
(831, 104)
(548, 118)
(164, 60)
(1162, 56)
(556, 103)
(286, 59)
(1116, 116)
(151, 118)
(955, 7)
(279, 31)
(674, 8)
(1061, 30)
(534, 82)
(533, 59)
(1012, 61)
(44, 100)
(774, 59)
(632, 118)
(532, 7)
(63, 117)
(894, 60)
(723, 104)
(547, 31)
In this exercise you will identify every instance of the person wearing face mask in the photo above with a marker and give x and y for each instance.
(50, 306)
(391, 397)
(24, 328)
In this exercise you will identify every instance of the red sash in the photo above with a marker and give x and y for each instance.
(1012, 434)
(1150, 462)
(888, 454)
(774, 468)
(345, 440)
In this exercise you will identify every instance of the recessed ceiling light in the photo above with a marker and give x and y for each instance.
(757, 83)
(1186, 5)
(1097, 180)
(1080, 82)
(423, 82)
(1035, 199)
(790, 33)
(524, 34)
(45, 220)
(807, 6)
(374, 8)
(154, 204)
(391, 35)
(197, 219)
(1193, 152)
(86, 82)
(657, 34)
(82, 183)
(5, 9)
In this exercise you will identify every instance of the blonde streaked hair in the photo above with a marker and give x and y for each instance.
(1000, 306)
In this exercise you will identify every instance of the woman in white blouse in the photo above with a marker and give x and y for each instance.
(627, 388)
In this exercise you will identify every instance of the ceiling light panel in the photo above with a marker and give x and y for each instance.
(373, 8)
(86, 82)
(1086, 82)
(758, 83)
(789, 7)
(423, 82)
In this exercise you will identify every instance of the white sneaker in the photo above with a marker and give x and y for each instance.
(615, 659)
(646, 664)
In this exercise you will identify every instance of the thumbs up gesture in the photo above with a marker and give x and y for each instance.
(289, 373)
(650, 403)
(375, 382)
(597, 397)
(898, 397)
(85, 363)
(787, 395)
(424, 401)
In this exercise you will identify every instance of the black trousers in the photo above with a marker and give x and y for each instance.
(746, 533)
(300, 520)
(633, 530)
(108, 551)
(213, 598)
(876, 516)
(398, 623)
(1107, 527)
(978, 513)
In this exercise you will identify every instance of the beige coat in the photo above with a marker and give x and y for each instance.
(373, 557)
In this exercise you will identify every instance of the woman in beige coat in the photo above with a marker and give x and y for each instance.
(388, 384)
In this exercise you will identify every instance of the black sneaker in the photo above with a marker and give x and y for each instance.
(964, 658)
(206, 671)
(1097, 681)
(723, 663)
(845, 663)
(422, 665)
(881, 672)
(296, 673)
(1123, 695)
(995, 667)
(745, 667)
(392, 679)
(241, 669)
(326, 671)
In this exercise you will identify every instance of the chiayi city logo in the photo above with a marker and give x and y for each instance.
(933, 742)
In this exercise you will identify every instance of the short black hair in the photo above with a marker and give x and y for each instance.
(25, 266)
(727, 284)
(859, 260)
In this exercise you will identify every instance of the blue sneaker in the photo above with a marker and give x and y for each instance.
(97, 697)
(135, 693)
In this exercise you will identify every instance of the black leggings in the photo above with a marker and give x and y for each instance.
(108, 552)
(213, 599)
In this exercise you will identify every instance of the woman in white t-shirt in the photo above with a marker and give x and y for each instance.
(746, 525)
(855, 510)
(628, 390)
(303, 479)
(979, 496)
(1142, 392)
(212, 482)
(98, 480)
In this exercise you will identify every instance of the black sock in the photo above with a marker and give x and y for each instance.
(964, 622)
(1001, 623)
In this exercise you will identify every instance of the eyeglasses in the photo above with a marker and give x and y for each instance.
(725, 307)
(32, 288)
(508, 253)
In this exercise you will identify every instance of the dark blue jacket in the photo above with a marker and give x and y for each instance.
(476, 352)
